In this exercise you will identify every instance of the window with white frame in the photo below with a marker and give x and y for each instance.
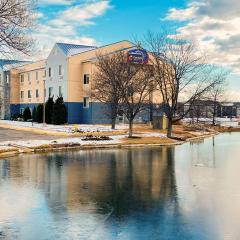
(60, 93)
(60, 70)
(29, 94)
(22, 78)
(37, 93)
(86, 79)
(50, 91)
(86, 102)
(22, 94)
(7, 78)
(29, 76)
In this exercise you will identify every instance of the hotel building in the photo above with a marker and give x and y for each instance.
(67, 72)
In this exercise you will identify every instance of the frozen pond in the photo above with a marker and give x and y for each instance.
(185, 192)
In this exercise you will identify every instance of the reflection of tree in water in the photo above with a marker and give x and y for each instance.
(144, 181)
(202, 154)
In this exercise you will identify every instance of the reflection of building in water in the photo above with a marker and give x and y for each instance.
(41, 171)
(124, 180)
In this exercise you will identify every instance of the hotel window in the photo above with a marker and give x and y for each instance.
(7, 78)
(50, 91)
(60, 91)
(86, 79)
(22, 77)
(60, 70)
(29, 94)
(86, 102)
(36, 75)
(22, 94)
(44, 73)
(29, 77)
(0, 78)
(49, 72)
(37, 93)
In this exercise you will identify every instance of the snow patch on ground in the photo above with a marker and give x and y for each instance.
(227, 122)
(159, 135)
(115, 139)
(65, 128)
(38, 143)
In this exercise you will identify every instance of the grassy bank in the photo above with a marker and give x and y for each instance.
(145, 136)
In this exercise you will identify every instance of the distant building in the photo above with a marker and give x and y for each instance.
(205, 109)
(230, 109)
(6, 67)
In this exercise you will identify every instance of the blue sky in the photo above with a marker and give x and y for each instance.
(213, 24)
(121, 19)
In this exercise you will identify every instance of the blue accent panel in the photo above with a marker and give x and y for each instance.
(30, 105)
(100, 113)
(14, 110)
(74, 112)
(87, 115)
(95, 114)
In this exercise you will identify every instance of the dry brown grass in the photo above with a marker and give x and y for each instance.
(99, 133)
(148, 140)
(8, 150)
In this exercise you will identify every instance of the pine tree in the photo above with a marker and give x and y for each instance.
(49, 110)
(39, 113)
(27, 114)
(34, 114)
(59, 112)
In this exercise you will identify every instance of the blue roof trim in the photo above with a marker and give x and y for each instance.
(7, 61)
(109, 45)
(72, 49)
(7, 64)
(110, 53)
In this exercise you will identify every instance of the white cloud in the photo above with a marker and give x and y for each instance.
(183, 14)
(65, 26)
(56, 2)
(215, 25)
(81, 14)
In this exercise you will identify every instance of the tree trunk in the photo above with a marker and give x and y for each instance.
(169, 130)
(214, 114)
(213, 120)
(113, 123)
(130, 133)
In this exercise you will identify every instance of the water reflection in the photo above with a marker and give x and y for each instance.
(152, 193)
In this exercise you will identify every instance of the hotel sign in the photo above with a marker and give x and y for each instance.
(138, 56)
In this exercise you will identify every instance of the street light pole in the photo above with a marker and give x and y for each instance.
(44, 105)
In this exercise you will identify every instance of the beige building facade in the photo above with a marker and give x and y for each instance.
(67, 72)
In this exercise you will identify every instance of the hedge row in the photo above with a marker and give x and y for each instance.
(55, 112)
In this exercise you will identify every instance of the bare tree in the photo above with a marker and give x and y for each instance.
(217, 93)
(136, 89)
(179, 71)
(107, 81)
(16, 19)
(122, 85)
